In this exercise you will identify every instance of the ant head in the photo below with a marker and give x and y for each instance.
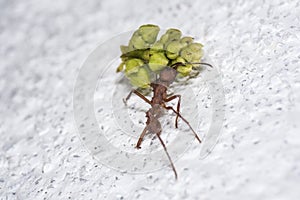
(168, 75)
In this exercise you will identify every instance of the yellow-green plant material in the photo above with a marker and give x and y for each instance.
(145, 54)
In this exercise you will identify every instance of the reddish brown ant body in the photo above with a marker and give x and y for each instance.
(158, 103)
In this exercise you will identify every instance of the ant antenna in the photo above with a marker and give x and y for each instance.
(201, 63)
(176, 65)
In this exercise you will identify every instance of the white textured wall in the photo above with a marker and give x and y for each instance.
(255, 44)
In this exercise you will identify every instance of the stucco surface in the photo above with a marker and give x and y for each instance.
(254, 44)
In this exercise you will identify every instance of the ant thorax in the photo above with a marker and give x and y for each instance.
(156, 111)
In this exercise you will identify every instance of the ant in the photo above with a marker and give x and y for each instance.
(158, 103)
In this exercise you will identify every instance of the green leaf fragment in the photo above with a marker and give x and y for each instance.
(121, 67)
(186, 41)
(137, 42)
(145, 54)
(195, 46)
(179, 59)
(158, 46)
(139, 53)
(143, 37)
(174, 34)
(132, 66)
(124, 49)
(173, 49)
(170, 35)
(184, 70)
(140, 79)
(149, 33)
(158, 61)
(192, 52)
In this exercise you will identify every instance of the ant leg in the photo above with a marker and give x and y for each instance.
(171, 108)
(165, 148)
(138, 94)
(178, 106)
(138, 144)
